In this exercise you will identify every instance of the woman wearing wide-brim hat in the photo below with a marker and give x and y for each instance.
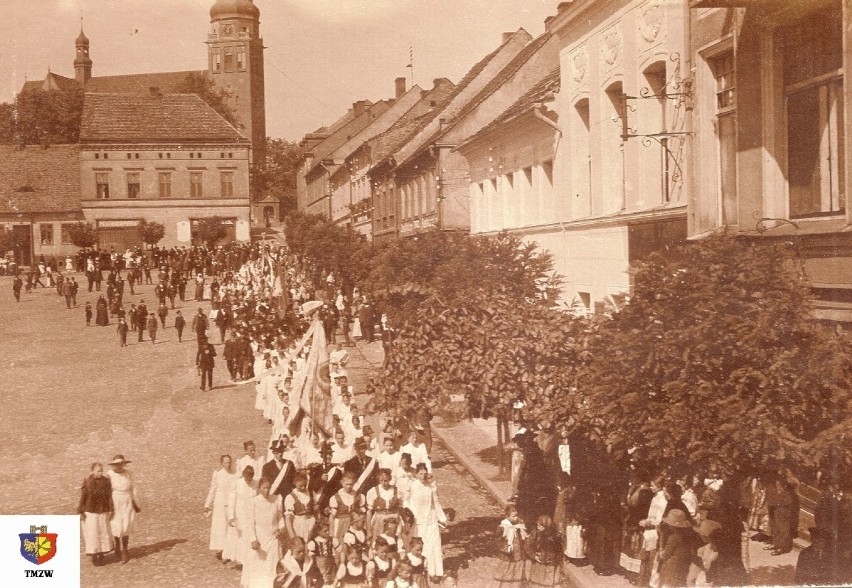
(126, 504)
(678, 548)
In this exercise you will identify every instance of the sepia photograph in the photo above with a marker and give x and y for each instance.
(425, 293)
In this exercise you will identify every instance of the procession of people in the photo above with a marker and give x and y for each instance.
(329, 500)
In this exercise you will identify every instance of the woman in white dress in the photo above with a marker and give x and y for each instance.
(265, 525)
(430, 517)
(237, 541)
(126, 504)
(216, 505)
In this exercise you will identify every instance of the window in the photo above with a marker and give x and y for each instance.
(195, 185)
(613, 165)
(241, 58)
(97, 155)
(227, 184)
(229, 59)
(217, 61)
(102, 185)
(46, 234)
(581, 163)
(65, 233)
(165, 184)
(133, 185)
(812, 53)
(723, 70)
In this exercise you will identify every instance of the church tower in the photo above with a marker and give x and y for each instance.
(235, 50)
(82, 61)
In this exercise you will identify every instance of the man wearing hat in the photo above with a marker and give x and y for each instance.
(126, 505)
(362, 466)
(141, 318)
(279, 471)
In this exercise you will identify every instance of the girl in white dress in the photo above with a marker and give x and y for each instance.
(237, 542)
(126, 504)
(266, 521)
(216, 505)
(430, 518)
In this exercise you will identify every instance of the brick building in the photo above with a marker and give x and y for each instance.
(148, 152)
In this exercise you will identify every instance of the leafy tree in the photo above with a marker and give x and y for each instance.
(42, 117)
(275, 175)
(329, 247)
(151, 232)
(83, 234)
(9, 240)
(717, 362)
(210, 230)
(217, 98)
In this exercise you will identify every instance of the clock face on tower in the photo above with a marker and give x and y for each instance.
(228, 30)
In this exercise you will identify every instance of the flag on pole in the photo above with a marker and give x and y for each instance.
(316, 392)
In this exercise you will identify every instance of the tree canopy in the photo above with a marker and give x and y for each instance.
(717, 362)
(210, 230)
(83, 234)
(151, 232)
(42, 117)
(216, 97)
(275, 175)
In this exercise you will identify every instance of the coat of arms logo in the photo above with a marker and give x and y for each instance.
(38, 546)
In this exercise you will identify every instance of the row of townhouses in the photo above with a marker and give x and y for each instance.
(628, 125)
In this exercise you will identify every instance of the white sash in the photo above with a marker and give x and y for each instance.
(366, 474)
(280, 477)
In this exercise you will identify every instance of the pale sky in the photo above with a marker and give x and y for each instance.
(321, 55)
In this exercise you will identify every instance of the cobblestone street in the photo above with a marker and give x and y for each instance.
(74, 397)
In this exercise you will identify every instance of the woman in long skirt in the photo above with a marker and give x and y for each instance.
(126, 503)
(237, 541)
(101, 312)
(95, 510)
(221, 487)
(639, 498)
(430, 518)
(342, 506)
(512, 554)
(266, 521)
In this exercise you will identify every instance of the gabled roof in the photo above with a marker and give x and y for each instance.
(50, 81)
(37, 180)
(496, 82)
(346, 132)
(144, 118)
(541, 92)
(384, 144)
(466, 81)
(166, 82)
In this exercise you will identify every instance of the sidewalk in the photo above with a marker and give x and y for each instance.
(474, 445)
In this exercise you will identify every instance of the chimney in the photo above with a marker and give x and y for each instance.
(399, 84)
(358, 108)
(507, 36)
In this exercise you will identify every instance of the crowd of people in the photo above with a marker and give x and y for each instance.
(668, 530)
(350, 505)
(337, 505)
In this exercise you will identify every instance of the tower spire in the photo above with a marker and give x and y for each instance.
(82, 61)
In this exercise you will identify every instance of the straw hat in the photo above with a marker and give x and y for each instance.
(118, 460)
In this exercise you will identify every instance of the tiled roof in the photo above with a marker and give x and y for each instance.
(496, 82)
(135, 117)
(469, 77)
(538, 93)
(35, 179)
(166, 82)
(386, 143)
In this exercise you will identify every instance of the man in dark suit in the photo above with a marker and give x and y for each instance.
(205, 362)
(141, 317)
(199, 325)
(273, 468)
(365, 316)
(362, 463)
